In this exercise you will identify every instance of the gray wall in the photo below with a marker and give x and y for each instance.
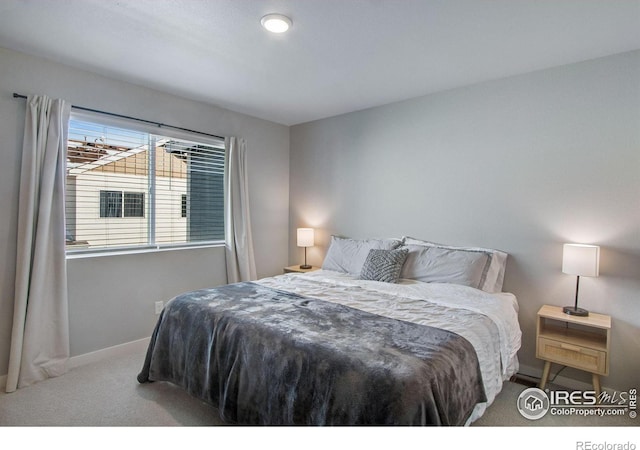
(522, 164)
(111, 298)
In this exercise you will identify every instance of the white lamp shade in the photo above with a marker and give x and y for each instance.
(580, 259)
(305, 237)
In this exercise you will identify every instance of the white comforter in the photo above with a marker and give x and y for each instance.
(495, 336)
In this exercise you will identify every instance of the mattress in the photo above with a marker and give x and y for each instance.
(276, 351)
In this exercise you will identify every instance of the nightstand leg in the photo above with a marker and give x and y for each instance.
(545, 374)
(596, 383)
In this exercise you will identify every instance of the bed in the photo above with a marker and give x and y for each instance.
(389, 332)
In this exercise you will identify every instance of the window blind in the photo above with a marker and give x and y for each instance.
(127, 188)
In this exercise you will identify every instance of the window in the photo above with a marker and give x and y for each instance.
(133, 204)
(127, 188)
(111, 204)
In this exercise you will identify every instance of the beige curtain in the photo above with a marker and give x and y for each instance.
(240, 259)
(40, 334)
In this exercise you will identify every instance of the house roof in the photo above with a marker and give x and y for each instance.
(87, 157)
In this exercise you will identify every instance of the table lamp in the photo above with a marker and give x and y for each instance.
(305, 239)
(583, 261)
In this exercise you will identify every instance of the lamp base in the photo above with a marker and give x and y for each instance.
(575, 311)
(305, 266)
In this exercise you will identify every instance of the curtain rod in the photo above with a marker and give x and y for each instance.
(158, 124)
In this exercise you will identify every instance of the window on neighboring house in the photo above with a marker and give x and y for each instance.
(133, 189)
(110, 204)
(133, 204)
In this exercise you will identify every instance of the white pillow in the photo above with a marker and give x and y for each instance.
(495, 274)
(444, 265)
(348, 255)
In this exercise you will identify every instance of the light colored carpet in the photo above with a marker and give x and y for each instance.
(106, 394)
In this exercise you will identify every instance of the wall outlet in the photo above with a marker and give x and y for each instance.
(159, 306)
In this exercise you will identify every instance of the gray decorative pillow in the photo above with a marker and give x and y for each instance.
(384, 265)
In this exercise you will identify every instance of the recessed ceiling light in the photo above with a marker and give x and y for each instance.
(276, 23)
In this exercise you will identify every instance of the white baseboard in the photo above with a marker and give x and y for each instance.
(88, 358)
(117, 350)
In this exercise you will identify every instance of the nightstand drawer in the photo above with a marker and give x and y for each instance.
(572, 355)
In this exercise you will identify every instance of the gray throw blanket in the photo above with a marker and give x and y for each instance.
(268, 357)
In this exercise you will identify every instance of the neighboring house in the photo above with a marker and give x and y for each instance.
(108, 195)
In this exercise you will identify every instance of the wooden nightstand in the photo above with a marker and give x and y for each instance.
(579, 342)
(297, 268)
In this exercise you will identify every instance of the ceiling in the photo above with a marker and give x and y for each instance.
(339, 56)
